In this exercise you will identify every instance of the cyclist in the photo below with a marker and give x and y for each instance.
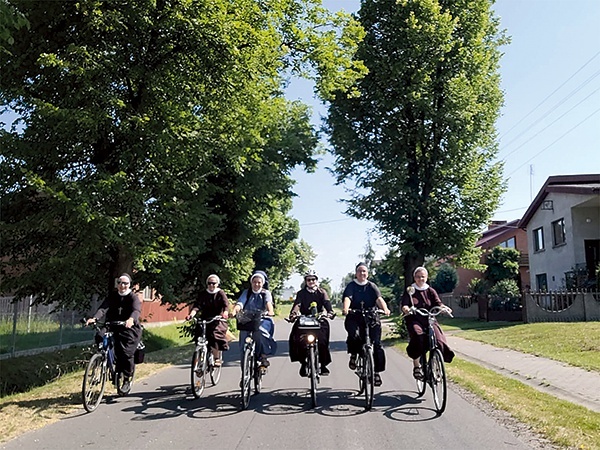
(310, 300)
(365, 292)
(258, 298)
(210, 303)
(422, 296)
(122, 305)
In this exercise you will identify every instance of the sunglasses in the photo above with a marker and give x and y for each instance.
(124, 282)
(311, 279)
(212, 283)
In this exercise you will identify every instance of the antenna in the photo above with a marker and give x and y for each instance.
(530, 183)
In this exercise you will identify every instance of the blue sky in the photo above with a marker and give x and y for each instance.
(550, 123)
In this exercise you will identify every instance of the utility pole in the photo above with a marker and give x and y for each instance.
(530, 183)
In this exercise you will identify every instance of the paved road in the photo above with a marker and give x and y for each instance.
(159, 414)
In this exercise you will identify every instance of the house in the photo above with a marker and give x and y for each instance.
(563, 229)
(503, 234)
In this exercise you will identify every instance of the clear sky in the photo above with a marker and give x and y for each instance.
(550, 124)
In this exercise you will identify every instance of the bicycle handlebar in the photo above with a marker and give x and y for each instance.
(436, 310)
(219, 318)
(320, 316)
(362, 311)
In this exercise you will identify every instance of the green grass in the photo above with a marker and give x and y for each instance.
(574, 343)
(42, 333)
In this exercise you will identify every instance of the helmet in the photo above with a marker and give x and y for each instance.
(311, 273)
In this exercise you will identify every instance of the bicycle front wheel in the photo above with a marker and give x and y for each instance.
(258, 374)
(369, 378)
(314, 380)
(437, 377)
(94, 381)
(245, 384)
(198, 372)
(421, 384)
(215, 371)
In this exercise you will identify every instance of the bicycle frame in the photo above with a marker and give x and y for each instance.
(203, 360)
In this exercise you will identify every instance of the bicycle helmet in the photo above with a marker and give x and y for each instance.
(311, 273)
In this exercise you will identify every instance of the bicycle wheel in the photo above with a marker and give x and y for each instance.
(215, 371)
(245, 384)
(198, 372)
(421, 384)
(312, 370)
(369, 376)
(438, 380)
(94, 381)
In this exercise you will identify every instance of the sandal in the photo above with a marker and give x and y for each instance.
(418, 373)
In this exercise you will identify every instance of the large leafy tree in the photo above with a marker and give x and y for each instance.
(417, 144)
(153, 136)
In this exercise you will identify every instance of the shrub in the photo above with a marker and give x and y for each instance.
(505, 289)
(446, 279)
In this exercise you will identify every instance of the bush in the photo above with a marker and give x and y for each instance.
(445, 280)
(505, 289)
(477, 287)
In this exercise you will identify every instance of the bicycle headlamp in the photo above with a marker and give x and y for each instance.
(310, 338)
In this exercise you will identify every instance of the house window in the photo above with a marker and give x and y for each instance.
(558, 232)
(538, 239)
(541, 280)
(509, 243)
(147, 294)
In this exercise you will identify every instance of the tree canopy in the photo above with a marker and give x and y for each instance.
(154, 137)
(415, 141)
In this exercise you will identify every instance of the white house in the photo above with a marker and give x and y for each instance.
(563, 232)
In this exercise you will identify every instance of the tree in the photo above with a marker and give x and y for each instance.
(417, 142)
(502, 264)
(445, 279)
(154, 137)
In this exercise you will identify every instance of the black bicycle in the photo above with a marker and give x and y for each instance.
(365, 364)
(432, 364)
(310, 326)
(102, 366)
(252, 370)
(203, 361)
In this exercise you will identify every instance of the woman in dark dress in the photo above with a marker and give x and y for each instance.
(422, 296)
(309, 300)
(210, 303)
(123, 305)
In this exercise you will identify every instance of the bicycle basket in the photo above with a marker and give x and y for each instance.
(308, 323)
(248, 320)
(140, 353)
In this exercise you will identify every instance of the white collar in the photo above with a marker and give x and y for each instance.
(424, 288)
(361, 283)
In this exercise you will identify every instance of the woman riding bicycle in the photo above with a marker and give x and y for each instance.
(362, 293)
(423, 296)
(310, 300)
(122, 305)
(210, 303)
(258, 298)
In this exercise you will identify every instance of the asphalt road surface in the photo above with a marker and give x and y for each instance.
(160, 413)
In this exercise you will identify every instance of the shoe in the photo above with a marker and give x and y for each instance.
(126, 386)
(265, 362)
(418, 373)
(352, 362)
(303, 372)
(377, 380)
(217, 362)
(324, 371)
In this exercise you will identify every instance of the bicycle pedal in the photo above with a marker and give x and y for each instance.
(263, 370)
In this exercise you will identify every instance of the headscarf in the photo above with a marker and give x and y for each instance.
(259, 274)
(213, 290)
(128, 291)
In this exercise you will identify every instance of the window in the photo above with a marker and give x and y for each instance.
(147, 294)
(538, 239)
(509, 243)
(558, 232)
(541, 280)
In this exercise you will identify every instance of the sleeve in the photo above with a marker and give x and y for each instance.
(326, 301)
(268, 297)
(348, 291)
(376, 290)
(405, 300)
(101, 312)
(224, 300)
(434, 298)
(136, 307)
(297, 299)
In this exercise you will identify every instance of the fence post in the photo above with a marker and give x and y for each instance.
(29, 314)
(60, 321)
(14, 333)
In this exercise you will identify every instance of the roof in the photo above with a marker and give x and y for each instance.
(566, 184)
(493, 233)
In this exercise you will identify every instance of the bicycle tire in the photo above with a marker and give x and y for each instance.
(94, 382)
(369, 375)
(245, 384)
(198, 372)
(215, 371)
(422, 384)
(314, 375)
(360, 371)
(437, 377)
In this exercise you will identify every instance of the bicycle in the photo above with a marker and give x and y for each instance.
(365, 364)
(102, 365)
(251, 366)
(203, 361)
(311, 325)
(434, 371)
